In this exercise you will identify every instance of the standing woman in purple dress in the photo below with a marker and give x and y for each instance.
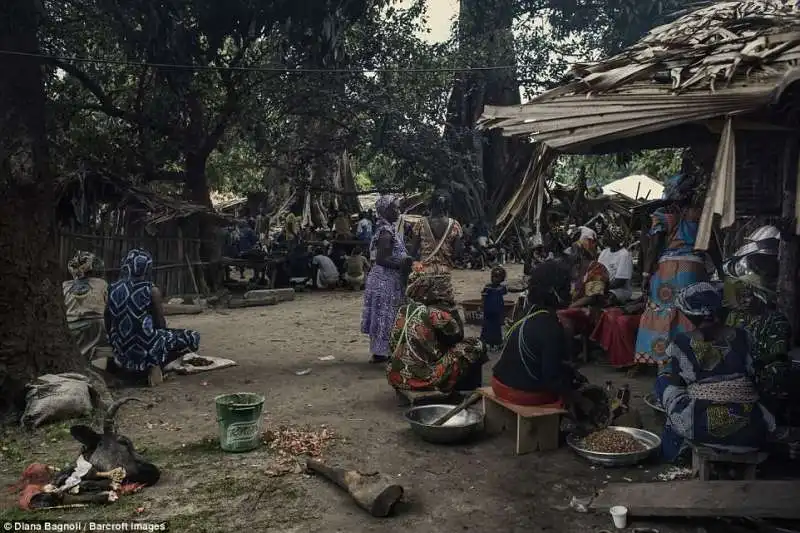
(383, 293)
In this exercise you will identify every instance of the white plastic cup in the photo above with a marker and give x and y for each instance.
(620, 516)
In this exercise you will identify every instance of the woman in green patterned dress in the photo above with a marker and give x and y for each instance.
(427, 345)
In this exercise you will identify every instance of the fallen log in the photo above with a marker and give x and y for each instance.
(377, 493)
(283, 295)
(183, 309)
(239, 304)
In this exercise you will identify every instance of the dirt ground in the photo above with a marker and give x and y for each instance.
(473, 487)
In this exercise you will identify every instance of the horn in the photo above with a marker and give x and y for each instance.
(108, 424)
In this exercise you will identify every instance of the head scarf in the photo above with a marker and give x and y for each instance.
(678, 187)
(137, 265)
(82, 263)
(700, 300)
(430, 287)
(383, 204)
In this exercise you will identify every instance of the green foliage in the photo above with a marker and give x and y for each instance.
(599, 170)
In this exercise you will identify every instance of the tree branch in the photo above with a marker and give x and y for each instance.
(106, 103)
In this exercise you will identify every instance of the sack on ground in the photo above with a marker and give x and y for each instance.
(55, 397)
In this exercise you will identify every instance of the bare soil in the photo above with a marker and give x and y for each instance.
(480, 486)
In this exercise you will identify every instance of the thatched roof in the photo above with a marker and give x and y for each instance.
(76, 194)
(708, 73)
(725, 59)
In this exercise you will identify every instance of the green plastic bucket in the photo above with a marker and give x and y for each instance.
(239, 417)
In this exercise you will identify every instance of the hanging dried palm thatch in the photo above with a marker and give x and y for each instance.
(727, 59)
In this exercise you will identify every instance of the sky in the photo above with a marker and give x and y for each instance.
(440, 18)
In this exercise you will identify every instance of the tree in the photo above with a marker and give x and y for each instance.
(34, 338)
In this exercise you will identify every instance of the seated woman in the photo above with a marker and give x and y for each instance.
(589, 294)
(137, 330)
(752, 307)
(533, 368)
(85, 300)
(427, 345)
(707, 386)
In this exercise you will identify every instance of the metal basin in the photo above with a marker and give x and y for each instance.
(650, 440)
(653, 404)
(457, 429)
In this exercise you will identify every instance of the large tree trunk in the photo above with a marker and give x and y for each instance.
(485, 36)
(34, 338)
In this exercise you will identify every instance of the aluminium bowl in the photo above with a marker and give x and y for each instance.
(650, 440)
(458, 429)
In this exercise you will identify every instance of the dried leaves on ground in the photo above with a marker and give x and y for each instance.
(290, 446)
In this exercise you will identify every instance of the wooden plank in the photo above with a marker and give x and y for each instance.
(757, 499)
(526, 411)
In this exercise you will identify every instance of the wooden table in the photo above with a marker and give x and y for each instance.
(268, 267)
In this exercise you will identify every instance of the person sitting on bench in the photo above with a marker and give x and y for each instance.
(707, 387)
(533, 368)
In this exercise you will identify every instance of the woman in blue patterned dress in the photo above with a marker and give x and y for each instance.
(383, 291)
(707, 387)
(137, 330)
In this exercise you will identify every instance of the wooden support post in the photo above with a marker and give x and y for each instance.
(788, 256)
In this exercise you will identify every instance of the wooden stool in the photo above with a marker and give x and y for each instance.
(704, 459)
(407, 398)
(536, 428)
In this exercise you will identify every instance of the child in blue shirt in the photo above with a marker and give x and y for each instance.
(494, 310)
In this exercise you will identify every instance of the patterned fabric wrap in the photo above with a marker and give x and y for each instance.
(429, 287)
(383, 291)
(679, 267)
(680, 229)
(136, 343)
(700, 300)
(771, 333)
(424, 356)
(593, 282)
(707, 392)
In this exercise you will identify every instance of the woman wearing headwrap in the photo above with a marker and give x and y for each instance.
(383, 291)
(589, 292)
(85, 300)
(438, 239)
(707, 388)
(429, 351)
(137, 330)
(670, 264)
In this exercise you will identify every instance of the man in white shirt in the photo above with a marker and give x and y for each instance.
(327, 274)
(619, 262)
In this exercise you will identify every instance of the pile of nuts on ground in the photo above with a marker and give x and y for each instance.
(612, 441)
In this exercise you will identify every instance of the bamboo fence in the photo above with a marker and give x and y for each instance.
(173, 254)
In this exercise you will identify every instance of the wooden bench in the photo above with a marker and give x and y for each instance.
(705, 459)
(536, 428)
